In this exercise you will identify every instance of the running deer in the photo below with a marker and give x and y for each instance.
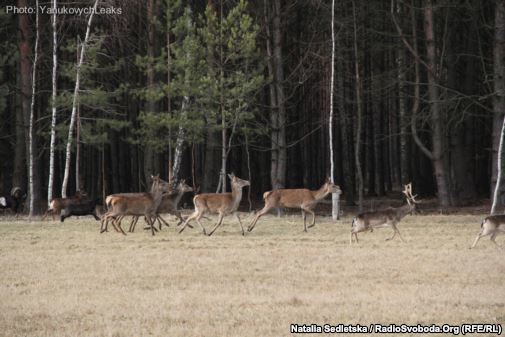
(57, 204)
(169, 205)
(220, 203)
(491, 225)
(384, 218)
(136, 204)
(296, 198)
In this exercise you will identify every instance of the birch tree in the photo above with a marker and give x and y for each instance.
(359, 174)
(334, 196)
(499, 97)
(32, 107)
(498, 170)
(53, 107)
(74, 105)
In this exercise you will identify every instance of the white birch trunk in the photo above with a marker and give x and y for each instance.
(53, 107)
(74, 106)
(179, 145)
(32, 107)
(498, 170)
(359, 174)
(334, 196)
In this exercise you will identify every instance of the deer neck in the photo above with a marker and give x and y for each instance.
(320, 193)
(236, 194)
(402, 211)
(178, 198)
(157, 195)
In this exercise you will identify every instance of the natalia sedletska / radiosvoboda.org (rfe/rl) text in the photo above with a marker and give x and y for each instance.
(455, 330)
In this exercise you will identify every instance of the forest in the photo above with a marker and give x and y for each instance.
(374, 94)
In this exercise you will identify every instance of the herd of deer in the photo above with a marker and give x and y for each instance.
(162, 198)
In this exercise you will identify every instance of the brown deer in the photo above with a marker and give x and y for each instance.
(169, 205)
(136, 204)
(220, 203)
(57, 204)
(384, 218)
(491, 225)
(302, 198)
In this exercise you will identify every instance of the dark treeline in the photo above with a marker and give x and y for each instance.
(187, 88)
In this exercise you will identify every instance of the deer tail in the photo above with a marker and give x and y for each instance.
(266, 194)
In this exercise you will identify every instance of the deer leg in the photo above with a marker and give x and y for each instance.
(191, 217)
(104, 223)
(313, 217)
(240, 222)
(132, 224)
(477, 239)
(118, 223)
(181, 219)
(219, 222)
(163, 220)
(304, 215)
(150, 222)
(260, 214)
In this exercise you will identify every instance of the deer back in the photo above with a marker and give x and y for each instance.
(290, 198)
(213, 202)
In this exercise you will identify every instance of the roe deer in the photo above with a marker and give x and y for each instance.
(296, 198)
(220, 203)
(491, 225)
(145, 204)
(384, 218)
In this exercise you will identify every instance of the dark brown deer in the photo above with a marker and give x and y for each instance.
(384, 218)
(492, 225)
(136, 204)
(220, 203)
(302, 198)
(57, 204)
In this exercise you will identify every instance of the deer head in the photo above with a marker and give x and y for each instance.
(159, 185)
(411, 199)
(183, 187)
(330, 187)
(236, 181)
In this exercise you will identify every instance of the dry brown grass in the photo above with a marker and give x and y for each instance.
(68, 280)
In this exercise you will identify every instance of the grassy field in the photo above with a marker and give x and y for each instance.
(69, 280)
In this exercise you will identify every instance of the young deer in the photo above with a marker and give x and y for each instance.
(491, 225)
(384, 218)
(168, 205)
(145, 204)
(220, 203)
(296, 198)
(57, 204)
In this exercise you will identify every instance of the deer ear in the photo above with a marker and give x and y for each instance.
(231, 176)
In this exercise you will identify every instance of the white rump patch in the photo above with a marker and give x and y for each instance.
(3, 202)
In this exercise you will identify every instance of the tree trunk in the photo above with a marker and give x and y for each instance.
(53, 108)
(357, 152)
(436, 118)
(499, 90)
(150, 104)
(335, 197)
(499, 170)
(74, 105)
(31, 162)
(25, 67)
(278, 175)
